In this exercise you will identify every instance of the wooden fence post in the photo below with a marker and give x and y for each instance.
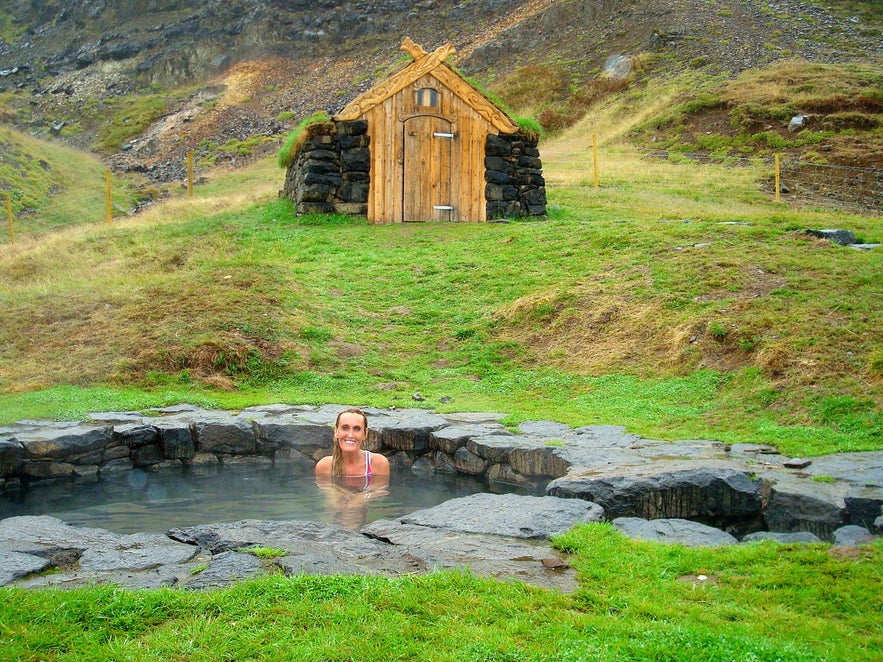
(109, 201)
(778, 178)
(9, 217)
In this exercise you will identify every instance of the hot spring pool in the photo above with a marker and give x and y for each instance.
(156, 501)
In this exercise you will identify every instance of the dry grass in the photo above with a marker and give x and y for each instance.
(815, 86)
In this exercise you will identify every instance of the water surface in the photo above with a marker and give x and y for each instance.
(178, 497)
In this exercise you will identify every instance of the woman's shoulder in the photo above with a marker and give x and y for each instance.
(323, 466)
(379, 463)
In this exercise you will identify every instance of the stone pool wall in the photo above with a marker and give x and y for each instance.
(741, 489)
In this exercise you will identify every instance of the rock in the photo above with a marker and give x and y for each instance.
(98, 551)
(685, 532)
(448, 439)
(864, 505)
(286, 432)
(851, 536)
(485, 555)
(226, 568)
(721, 496)
(409, 432)
(15, 565)
(544, 429)
(11, 453)
(798, 536)
(817, 511)
(49, 443)
(842, 237)
(797, 123)
(467, 462)
(508, 515)
(225, 435)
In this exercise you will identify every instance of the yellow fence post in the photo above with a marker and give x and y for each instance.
(9, 217)
(109, 201)
(189, 174)
(595, 158)
(778, 178)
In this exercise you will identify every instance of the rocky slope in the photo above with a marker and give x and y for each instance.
(243, 70)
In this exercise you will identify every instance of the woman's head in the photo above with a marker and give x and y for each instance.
(350, 431)
(351, 414)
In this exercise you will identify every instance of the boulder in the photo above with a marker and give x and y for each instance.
(838, 236)
(851, 536)
(810, 508)
(509, 515)
(11, 453)
(226, 568)
(864, 505)
(673, 530)
(529, 560)
(15, 565)
(798, 536)
(719, 496)
(98, 552)
(221, 434)
(48, 443)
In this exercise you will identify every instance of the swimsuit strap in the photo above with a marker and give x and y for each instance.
(368, 472)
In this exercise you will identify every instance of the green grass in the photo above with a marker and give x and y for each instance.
(49, 185)
(636, 601)
(607, 312)
(130, 117)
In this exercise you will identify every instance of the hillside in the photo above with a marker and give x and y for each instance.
(143, 85)
(678, 299)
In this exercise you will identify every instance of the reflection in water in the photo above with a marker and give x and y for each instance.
(177, 497)
(347, 497)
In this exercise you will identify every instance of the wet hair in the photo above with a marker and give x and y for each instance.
(336, 452)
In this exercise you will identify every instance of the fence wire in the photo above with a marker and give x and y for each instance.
(842, 186)
(801, 182)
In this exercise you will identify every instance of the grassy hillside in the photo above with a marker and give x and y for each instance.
(50, 185)
(677, 299)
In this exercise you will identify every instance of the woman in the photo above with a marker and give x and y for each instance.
(348, 458)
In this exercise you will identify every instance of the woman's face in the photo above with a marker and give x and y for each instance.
(350, 431)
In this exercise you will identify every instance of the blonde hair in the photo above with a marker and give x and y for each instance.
(336, 453)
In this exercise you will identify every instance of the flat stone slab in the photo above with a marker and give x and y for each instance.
(799, 537)
(509, 515)
(15, 565)
(224, 568)
(684, 532)
(90, 552)
(528, 560)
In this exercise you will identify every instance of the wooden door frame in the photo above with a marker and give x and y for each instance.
(450, 120)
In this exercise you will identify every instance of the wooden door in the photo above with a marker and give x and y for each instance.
(426, 187)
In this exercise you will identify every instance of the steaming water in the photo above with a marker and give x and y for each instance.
(171, 498)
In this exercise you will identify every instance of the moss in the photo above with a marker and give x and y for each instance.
(319, 123)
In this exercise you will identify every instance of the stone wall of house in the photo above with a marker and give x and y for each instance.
(514, 175)
(331, 172)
